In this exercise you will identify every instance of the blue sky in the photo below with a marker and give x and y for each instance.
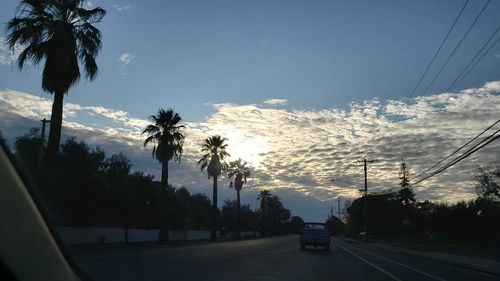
(343, 68)
(315, 54)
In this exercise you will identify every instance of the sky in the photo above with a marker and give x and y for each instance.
(302, 90)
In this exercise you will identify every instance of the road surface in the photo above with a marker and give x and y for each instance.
(278, 258)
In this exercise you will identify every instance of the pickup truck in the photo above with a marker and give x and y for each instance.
(314, 234)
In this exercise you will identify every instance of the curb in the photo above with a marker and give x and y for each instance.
(476, 267)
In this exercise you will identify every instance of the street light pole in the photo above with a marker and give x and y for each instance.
(366, 197)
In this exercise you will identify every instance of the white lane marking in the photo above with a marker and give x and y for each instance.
(400, 264)
(373, 265)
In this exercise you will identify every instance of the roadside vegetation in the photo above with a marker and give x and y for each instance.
(399, 217)
(85, 187)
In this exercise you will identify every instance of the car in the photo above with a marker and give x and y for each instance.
(314, 234)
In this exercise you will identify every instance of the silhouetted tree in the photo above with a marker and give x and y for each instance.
(146, 211)
(273, 216)
(165, 133)
(77, 183)
(199, 208)
(297, 223)
(334, 225)
(61, 34)
(213, 160)
(86, 188)
(117, 169)
(488, 181)
(231, 221)
(240, 171)
(263, 197)
(29, 150)
(405, 194)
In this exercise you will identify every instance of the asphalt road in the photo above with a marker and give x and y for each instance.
(278, 258)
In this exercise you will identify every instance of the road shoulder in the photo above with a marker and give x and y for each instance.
(481, 265)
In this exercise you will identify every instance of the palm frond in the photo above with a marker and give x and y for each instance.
(59, 32)
(169, 138)
(91, 16)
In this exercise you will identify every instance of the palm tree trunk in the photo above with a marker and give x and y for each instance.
(213, 230)
(238, 218)
(164, 174)
(55, 125)
(163, 236)
(164, 223)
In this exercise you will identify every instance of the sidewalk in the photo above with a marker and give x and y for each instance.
(90, 250)
(478, 264)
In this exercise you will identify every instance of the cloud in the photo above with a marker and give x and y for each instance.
(295, 153)
(121, 8)
(126, 58)
(276, 101)
(497, 56)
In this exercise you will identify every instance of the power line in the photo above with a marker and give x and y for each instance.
(473, 59)
(456, 161)
(477, 61)
(455, 49)
(449, 57)
(439, 49)
(430, 63)
(454, 152)
(466, 154)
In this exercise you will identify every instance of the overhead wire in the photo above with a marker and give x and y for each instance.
(455, 49)
(487, 140)
(466, 154)
(438, 50)
(474, 58)
(477, 61)
(472, 63)
(458, 149)
(453, 52)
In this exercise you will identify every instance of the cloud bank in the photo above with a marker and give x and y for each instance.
(297, 152)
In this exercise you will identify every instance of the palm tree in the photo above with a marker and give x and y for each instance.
(60, 33)
(165, 134)
(264, 196)
(240, 171)
(213, 161)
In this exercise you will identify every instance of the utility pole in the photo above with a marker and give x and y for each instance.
(366, 198)
(44, 121)
(338, 205)
(42, 136)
